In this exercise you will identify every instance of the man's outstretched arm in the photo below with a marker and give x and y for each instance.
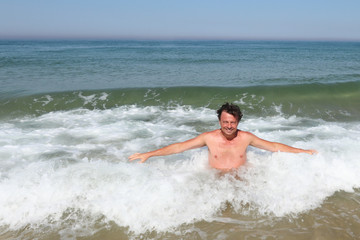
(275, 146)
(196, 142)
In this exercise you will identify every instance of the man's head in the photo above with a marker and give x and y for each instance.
(229, 116)
(231, 109)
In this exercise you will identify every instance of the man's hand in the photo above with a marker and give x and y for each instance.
(312, 151)
(142, 156)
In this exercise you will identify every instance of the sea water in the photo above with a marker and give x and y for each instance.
(71, 112)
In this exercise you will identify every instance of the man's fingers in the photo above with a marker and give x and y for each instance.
(138, 156)
(313, 151)
(134, 156)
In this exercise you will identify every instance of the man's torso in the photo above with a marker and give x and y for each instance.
(226, 154)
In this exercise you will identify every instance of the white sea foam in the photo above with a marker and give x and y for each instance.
(73, 165)
(93, 98)
(44, 100)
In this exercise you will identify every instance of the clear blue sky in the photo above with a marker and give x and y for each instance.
(181, 19)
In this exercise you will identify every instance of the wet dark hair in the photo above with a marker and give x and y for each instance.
(231, 109)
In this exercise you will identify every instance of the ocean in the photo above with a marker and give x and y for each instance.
(71, 112)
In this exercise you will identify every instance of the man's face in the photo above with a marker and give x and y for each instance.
(228, 124)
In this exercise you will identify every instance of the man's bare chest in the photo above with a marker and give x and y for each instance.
(227, 147)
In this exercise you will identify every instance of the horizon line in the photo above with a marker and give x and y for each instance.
(177, 38)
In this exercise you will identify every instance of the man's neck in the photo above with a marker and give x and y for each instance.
(230, 137)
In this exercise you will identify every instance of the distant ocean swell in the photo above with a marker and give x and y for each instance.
(334, 101)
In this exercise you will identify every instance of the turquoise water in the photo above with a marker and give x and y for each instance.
(71, 112)
(38, 67)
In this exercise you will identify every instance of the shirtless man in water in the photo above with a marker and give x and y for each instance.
(227, 145)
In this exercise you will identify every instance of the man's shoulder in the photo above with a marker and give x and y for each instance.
(210, 133)
(245, 133)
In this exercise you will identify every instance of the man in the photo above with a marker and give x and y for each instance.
(227, 145)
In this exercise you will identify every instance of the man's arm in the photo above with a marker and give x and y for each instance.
(275, 146)
(196, 142)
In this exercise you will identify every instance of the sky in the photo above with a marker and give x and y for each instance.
(181, 19)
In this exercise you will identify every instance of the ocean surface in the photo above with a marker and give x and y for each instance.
(71, 112)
